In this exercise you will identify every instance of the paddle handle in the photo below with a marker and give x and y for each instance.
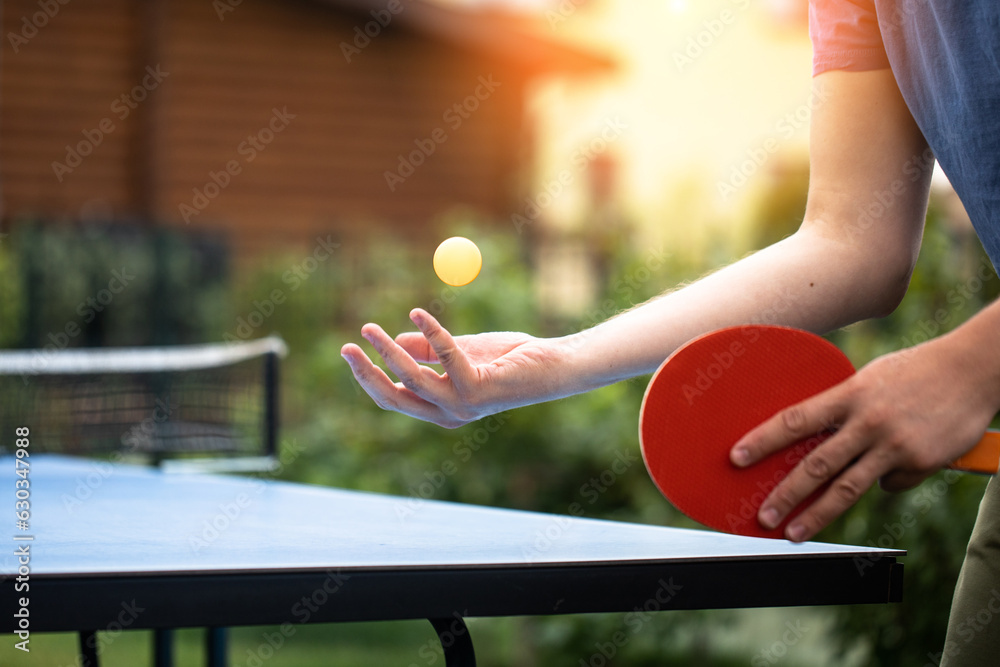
(984, 458)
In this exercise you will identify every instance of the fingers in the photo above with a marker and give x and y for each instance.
(448, 353)
(420, 380)
(845, 490)
(819, 413)
(421, 392)
(420, 345)
(832, 459)
(389, 395)
(850, 461)
(417, 347)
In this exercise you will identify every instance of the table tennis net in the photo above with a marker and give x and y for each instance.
(156, 403)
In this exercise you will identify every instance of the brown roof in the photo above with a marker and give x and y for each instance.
(514, 37)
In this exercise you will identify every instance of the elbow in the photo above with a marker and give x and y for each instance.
(888, 301)
(889, 290)
(873, 273)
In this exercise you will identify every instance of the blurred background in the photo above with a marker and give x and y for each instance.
(193, 171)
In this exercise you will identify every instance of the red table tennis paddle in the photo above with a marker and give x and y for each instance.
(713, 390)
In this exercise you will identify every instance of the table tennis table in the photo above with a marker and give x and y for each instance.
(118, 546)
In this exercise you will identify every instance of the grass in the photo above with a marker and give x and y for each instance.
(413, 644)
(329, 645)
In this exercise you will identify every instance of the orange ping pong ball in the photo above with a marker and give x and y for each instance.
(457, 261)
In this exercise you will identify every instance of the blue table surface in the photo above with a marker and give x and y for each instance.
(91, 517)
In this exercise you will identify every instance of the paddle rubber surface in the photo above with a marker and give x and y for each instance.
(712, 391)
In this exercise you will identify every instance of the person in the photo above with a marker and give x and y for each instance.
(900, 79)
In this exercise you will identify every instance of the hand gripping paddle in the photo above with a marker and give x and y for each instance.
(712, 391)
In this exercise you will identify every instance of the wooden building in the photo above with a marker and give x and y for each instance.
(269, 120)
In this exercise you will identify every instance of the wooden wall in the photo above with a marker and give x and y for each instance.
(323, 171)
(53, 88)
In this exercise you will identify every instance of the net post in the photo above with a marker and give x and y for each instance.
(271, 404)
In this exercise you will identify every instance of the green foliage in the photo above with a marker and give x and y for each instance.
(545, 457)
(932, 522)
(11, 297)
(112, 285)
(782, 202)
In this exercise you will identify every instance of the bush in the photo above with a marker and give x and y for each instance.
(542, 457)
(108, 285)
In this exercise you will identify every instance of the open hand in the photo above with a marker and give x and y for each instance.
(483, 373)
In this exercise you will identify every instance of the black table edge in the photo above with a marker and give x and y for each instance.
(96, 602)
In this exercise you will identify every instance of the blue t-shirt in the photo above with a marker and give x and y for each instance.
(945, 56)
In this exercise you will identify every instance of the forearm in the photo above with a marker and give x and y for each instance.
(809, 280)
(974, 351)
(850, 260)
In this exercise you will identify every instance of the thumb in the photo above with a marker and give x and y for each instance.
(416, 346)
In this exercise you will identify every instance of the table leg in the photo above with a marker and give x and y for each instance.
(88, 649)
(215, 647)
(163, 648)
(455, 640)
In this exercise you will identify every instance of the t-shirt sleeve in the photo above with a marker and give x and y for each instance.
(845, 35)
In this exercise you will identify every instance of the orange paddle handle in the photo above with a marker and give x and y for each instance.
(984, 458)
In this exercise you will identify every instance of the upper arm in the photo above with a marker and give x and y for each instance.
(870, 171)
